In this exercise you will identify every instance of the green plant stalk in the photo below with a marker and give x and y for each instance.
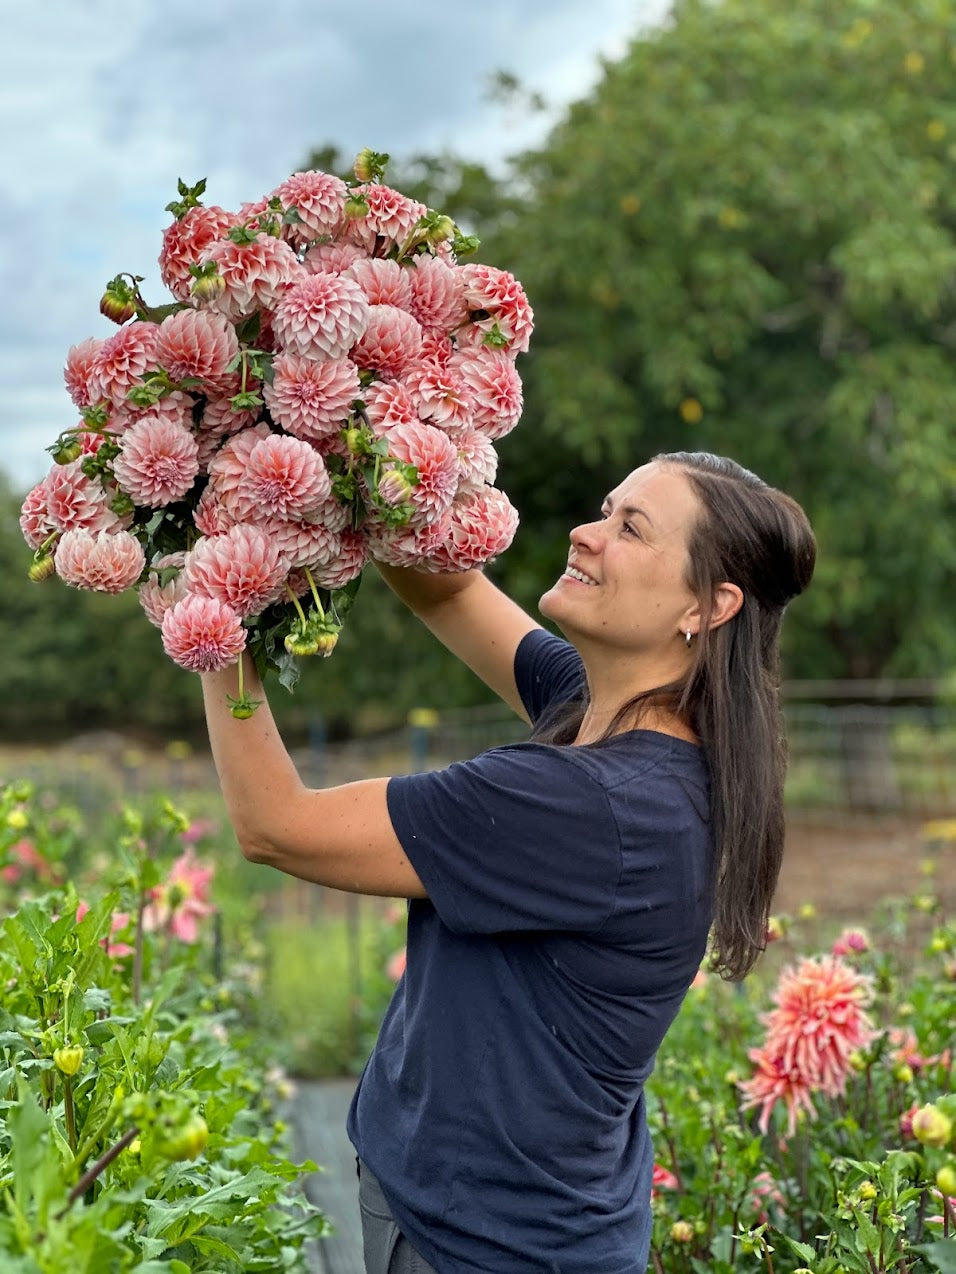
(138, 948)
(296, 604)
(69, 1112)
(315, 593)
(95, 1169)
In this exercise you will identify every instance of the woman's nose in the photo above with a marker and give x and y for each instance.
(585, 535)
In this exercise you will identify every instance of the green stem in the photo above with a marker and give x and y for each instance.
(295, 603)
(138, 946)
(69, 1111)
(245, 368)
(315, 594)
(93, 1172)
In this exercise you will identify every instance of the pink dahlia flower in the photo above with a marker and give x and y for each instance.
(773, 1081)
(79, 370)
(196, 343)
(103, 561)
(850, 942)
(497, 299)
(76, 502)
(35, 522)
(391, 216)
(662, 1180)
(255, 274)
(122, 362)
(391, 341)
(389, 404)
(321, 317)
(437, 294)
(906, 1050)
(243, 568)
(184, 243)
(477, 459)
(435, 458)
(318, 198)
(483, 524)
(441, 394)
(156, 597)
(494, 389)
(436, 348)
(310, 398)
(158, 462)
(347, 564)
(302, 544)
(181, 902)
(172, 409)
(406, 546)
(210, 515)
(220, 418)
(383, 282)
(227, 468)
(203, 634)
(332, 258)
(284, 478)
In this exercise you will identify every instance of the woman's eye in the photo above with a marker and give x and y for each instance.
(631, 529)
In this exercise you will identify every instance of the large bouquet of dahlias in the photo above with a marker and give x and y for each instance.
(325, 389)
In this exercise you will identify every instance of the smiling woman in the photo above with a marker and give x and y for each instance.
(561, 891)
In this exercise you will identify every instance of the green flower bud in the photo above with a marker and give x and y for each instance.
(931, 1126)
(41, 568)
(68, 1059)
(186, 1142)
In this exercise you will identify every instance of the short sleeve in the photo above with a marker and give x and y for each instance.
(548, 672)
(521, 838)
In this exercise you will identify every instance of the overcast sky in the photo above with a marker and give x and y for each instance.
(105, 103)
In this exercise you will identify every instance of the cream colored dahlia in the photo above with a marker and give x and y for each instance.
(107, 562)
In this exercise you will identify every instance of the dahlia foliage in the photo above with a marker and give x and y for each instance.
(325, 389)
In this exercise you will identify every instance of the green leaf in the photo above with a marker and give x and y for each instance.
(289, 671)
(941, 1255)
(806, 1253)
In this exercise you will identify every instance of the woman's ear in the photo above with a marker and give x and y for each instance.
(728, 599)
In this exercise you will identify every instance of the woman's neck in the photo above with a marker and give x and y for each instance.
(612, 686)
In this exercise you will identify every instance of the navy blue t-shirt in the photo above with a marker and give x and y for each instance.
(569, 901)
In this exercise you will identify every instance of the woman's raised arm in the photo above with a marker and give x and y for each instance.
(473, 618)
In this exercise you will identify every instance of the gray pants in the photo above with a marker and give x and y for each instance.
(387, 1251)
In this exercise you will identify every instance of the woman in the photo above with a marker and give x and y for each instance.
(561, 890)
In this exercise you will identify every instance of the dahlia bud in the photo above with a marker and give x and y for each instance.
(326, 642)
(301, 643)
(354, 439)
(867, 1191)
(775, 929)
(393, 488)
(442, 229)
(682, 1232)
(118, 301)
(68, 1059)
(946, 1180)
(369, 165)
(931, 1126)
(67, 450)
(903, 1072)
(356, 207)
(41, 568)
(208, 284)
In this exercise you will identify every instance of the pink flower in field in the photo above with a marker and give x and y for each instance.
(662, 1180)
(157, 597)
(122, 362)
(103, 561)
(906, 1122)
(388, 404)
(184, 242)
(255, 274)
(764, 1191)
(407, 545)
(303, 544)
(25, 858)
(438, 294)
(435, 458)
(332, 258)
(483, 524)
(198, 829)
(347, 564)
(318, 198)
(119, 921)
(440, 393)
(79, 369)
(243, 568)
(906, 1050)
(391, 341)
(284, 478)
(202, 634)
(497, 301)
(494, 389)
(391, 216)
(196, 343)
(158, 462)
(322, 316)
(309, 398)
(771, 1082)
(477, 459)
(76, 502)
(395, 966)
(179, 904)
(383, 282)
(850, 942)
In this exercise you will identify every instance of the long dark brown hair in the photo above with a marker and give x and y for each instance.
(754, 536)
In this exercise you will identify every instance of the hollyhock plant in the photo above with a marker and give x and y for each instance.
(323, 389)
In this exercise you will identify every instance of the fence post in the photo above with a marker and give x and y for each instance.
(421, 722)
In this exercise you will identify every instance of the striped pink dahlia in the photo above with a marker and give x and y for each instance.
(76, 502)
(309, 398)
(79, 369)
(391, 341)
(243, 568)
(184, 243)
(438, 294)
(122, 362)
(406, 546)
(322, 316)
(284, 478)
(228, 466)
(196, 343)
(483, 524)
(388, 404)
(435, 458)
(494, 388)
(332, 258)
(347, 564)
(501, 300)
(477, 459)
(158, 462)
(383, 282)
(771, 1082)
(107, 562)
(302, 544)
(441, 394)
(255, 274)
(318, 198)
(203, 634)
(391, 216)
(155, 597)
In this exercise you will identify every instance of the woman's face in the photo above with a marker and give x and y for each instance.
(633, 557)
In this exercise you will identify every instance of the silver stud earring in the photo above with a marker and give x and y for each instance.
(688, 636)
